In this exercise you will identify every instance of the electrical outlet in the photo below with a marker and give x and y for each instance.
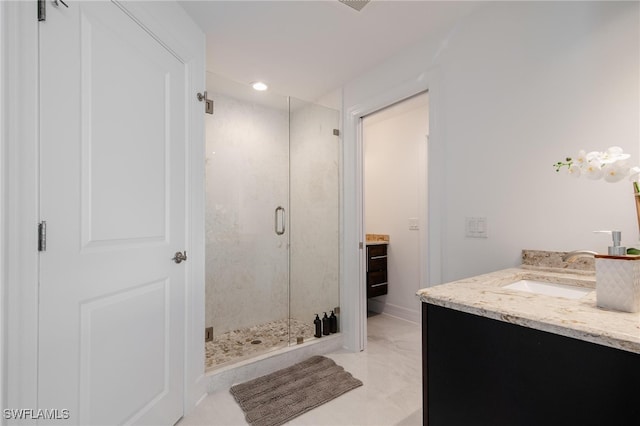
(208, 334)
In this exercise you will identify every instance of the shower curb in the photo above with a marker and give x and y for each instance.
(225, 377)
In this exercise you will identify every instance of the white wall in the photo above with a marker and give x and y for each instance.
(522, 85)
(565, 78)
(394, 169)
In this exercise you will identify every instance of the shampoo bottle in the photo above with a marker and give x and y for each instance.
(333, 323)
(318, 324)
(325, 325)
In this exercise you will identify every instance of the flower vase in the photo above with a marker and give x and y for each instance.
(636, 192)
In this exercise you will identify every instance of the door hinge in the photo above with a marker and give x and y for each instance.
(208, 103)
(42, 10)
(42, 236)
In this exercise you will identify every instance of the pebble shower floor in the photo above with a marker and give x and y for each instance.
(240, 344)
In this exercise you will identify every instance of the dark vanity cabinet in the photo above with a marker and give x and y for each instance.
(377, 284)
(481, 371)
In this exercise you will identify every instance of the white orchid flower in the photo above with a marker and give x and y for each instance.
(614, 172)
(615, 150)
(581, 158)
(611, 164)
(593, 170)
(634, 173)
(593, 155)
(613, 154)
(576, 171)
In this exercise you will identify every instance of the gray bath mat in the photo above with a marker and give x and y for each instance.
(278, 397)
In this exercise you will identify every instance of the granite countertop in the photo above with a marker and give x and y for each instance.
(577, 318)
(376, 243)
(376, 239)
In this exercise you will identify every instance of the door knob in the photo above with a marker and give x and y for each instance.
(179, 257)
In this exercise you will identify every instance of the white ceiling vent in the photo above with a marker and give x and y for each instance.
(355, 4)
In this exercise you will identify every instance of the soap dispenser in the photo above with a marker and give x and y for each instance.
(616, 249)
(617, 278)
(326, 327)
(333, 323)
(318, 324)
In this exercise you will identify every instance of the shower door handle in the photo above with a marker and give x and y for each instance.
(280, 212)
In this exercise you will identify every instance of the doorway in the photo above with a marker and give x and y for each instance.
(394, 183)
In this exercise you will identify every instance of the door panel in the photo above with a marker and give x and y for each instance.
(129, 205)
(247, 200)
(144, 312)
(112, 151)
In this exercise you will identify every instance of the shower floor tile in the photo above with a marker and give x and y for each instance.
(237, 345)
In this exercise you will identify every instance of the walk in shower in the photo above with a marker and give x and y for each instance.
(272, 220)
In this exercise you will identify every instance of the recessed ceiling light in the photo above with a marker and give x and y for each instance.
(258, 85)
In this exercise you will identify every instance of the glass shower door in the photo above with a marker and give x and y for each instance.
(247, 180)
(315, 215)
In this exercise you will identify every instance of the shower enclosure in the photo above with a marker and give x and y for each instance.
(272, 220)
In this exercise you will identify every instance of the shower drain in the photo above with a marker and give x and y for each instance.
(256, 342)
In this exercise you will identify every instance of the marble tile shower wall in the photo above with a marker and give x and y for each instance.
(246, 179)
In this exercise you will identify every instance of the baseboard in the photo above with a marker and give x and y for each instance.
(379, 306)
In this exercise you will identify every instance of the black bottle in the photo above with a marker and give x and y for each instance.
(325, 325)
(333, 323)
(318, 325)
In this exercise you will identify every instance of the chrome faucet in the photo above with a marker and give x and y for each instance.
(573, 255)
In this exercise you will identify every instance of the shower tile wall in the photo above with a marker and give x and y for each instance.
(247, 178)
(314, 210)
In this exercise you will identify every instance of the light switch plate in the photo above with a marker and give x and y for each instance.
(413, 224)
(476, 227)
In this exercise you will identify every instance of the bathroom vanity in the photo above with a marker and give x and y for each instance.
(377, 276)
(497, 356)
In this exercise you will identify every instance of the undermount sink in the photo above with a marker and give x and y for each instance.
(549, 289)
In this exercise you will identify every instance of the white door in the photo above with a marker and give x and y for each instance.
(112, 192)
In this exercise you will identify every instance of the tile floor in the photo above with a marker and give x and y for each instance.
(390, 369)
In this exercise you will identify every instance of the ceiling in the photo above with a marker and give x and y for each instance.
(307, 49)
